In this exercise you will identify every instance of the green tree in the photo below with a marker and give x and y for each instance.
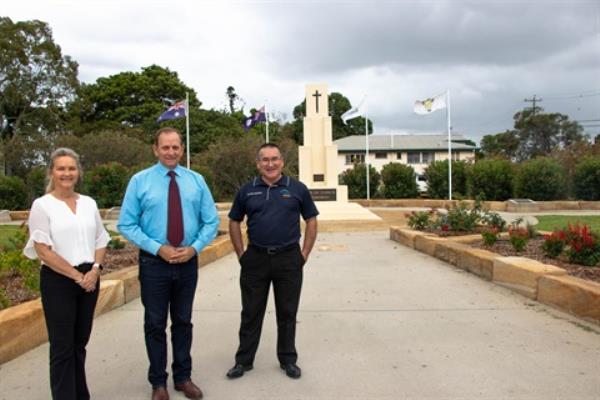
(36, 80)
(491, 179)
(399, 181)
(107, 146)
(540, 133)
(230, 162)
(541, 178)
(107, 183)
(13, 194)
(356, 180)
(437, 179)
(129, 101)
(503, 145)
(232, 98)
(587, 179)
(338, 105)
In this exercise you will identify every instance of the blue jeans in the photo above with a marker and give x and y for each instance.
(168, 288)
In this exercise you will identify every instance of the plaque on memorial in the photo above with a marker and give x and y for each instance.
(323, 194)
(319, 178)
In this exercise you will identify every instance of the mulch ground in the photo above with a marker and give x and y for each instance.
(535, 252)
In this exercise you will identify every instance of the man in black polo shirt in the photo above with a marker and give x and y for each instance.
(273, 204)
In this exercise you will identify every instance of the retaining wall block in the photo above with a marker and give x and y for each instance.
(111, 296)
(571, 294)
(478, 261)
(22, 327)
(522, 274)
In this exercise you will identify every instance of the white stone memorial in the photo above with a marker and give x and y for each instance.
(317, 160)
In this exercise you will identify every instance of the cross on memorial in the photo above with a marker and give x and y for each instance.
(317, 95)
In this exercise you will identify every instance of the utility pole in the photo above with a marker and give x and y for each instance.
(534, 100)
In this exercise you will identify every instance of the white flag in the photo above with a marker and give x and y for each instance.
(430, 105)
(354, 112)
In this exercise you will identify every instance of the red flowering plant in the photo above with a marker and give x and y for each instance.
(490, 236)
(518, 236)
(584, 245)
(555, 243)
(419, 220)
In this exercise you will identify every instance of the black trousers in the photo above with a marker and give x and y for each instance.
(69, 313)
(258, 270)
(168, 289)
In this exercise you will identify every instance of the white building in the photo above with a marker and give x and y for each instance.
(415, 150)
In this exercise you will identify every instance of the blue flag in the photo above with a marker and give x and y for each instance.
(259, 116)
(177, 110)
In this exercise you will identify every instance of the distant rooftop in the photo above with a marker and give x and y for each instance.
(403, 142)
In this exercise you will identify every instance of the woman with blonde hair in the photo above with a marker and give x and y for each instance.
(67, 235)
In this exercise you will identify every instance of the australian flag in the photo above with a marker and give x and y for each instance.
(259, 116)
(177, 110)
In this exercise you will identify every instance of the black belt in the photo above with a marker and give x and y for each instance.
(83, 268)
(274, 250)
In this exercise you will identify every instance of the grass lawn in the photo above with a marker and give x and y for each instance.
(6, 232)
(549, 222)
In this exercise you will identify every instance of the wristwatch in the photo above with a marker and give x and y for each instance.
(98, 266)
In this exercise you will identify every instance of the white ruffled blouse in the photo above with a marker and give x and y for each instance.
(73, 236)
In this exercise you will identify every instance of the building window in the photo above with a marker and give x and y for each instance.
(399, 156)
(413, 157)
(354, 158)
(428, 157)
(380, 155)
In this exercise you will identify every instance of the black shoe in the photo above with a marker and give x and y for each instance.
(238, 370)
(291, 370)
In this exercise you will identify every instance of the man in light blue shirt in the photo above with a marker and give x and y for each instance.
(169, 213)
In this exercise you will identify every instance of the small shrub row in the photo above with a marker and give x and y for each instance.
(578, 243)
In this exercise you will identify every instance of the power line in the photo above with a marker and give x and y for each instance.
(533, 100)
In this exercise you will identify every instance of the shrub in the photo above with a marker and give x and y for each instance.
(36, 183)
(437, 179)
(399, 181)
(461, 217)
(587, 179)
(116, 244)
(106, 184)
(13, 262)
(13, 193)
(419, 220)
(494, 220)
(356, 180)
(518, 238)
(490, 236)
(491, 179)
(584, 245)
(555, 243)
(540, 179)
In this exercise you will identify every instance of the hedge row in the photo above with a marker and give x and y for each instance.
(540, 179)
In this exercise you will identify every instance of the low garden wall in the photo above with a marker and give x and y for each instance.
(542, 282)
(22, 327)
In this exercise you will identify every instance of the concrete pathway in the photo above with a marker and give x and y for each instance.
(377, 321)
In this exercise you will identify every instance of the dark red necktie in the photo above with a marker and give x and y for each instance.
(175, 215)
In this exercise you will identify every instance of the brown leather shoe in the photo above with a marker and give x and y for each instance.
(160, 393)
(190, 390)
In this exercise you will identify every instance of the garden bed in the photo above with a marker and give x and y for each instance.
(116, 259)
(534, 251)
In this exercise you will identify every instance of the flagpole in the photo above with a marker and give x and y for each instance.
(367, 155)
(266, 124)
(449, 145)
(187, 128)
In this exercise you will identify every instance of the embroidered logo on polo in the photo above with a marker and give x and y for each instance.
(253, 193)
(285, 194)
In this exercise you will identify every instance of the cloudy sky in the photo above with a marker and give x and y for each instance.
(490, 55)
